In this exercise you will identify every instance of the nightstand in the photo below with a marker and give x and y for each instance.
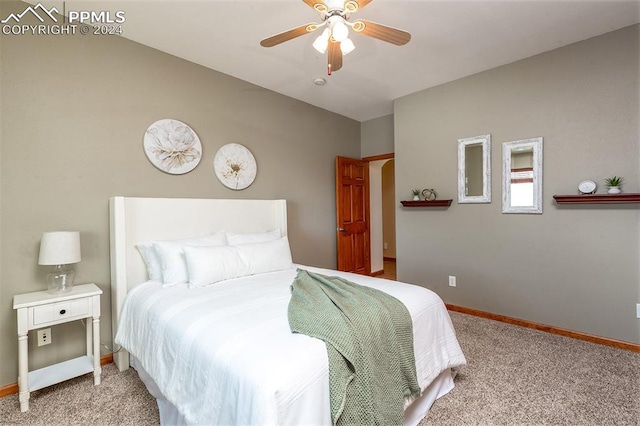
(42, 309)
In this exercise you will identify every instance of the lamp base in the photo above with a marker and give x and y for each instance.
(61, 279)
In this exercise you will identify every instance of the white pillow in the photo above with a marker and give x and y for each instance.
(267, 256)
(151, 259)
(172, 260)
(255, 237)
(208, 265)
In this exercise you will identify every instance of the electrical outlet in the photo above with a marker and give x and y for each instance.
(638, 310)
(452, 281)
(44, 336)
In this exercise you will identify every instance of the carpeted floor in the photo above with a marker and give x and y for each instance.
(519, 376)
(514, 376)
(120, 399)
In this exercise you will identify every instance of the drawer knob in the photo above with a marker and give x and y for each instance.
(63, 311)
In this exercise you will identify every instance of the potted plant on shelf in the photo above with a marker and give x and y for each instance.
(614, 184)
(416, 194)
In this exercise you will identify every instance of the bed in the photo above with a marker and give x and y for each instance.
(224, 353)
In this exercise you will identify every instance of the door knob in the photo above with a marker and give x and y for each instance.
(341, 229)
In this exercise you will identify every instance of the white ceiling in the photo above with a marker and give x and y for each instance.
(450, 39)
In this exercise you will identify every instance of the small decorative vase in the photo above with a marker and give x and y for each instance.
(416, 198)
(614, 190)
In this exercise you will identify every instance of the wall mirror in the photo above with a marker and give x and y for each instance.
(522, 176)
(474, 169)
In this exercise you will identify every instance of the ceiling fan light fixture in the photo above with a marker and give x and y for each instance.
(339, 30)
(335, 17)
(322, 41)
(347, 46)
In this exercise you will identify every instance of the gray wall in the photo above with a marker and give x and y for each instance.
(74, 110)
(377, 136)
(571, 267)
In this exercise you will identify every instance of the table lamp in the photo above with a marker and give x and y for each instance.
(60, 249)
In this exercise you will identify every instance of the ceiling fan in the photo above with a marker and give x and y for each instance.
(334, 39)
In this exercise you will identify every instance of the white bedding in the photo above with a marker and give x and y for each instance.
(224, 354)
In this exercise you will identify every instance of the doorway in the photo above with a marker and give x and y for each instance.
(382, 217)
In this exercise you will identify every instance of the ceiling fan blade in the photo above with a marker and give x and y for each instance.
(381, 32)
(288, 35)
(317, 5)
(355, 5)
(334, 57)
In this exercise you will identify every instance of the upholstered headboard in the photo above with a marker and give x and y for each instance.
(137, 220)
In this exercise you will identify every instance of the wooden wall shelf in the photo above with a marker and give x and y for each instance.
(598, 199)
(422, 203)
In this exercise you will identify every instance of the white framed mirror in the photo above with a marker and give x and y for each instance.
(474, 169)
(522, 176)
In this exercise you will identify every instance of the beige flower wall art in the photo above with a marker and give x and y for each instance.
(172, 146)
(235, 166)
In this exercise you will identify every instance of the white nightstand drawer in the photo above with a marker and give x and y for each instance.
(42, 315)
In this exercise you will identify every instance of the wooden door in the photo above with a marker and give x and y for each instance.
(352, 212)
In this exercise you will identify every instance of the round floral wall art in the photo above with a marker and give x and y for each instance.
(235, 166)
(172, 146)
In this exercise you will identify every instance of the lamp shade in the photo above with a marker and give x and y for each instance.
(339, 31)
(321, 43)
(59, 248)
(347, 46)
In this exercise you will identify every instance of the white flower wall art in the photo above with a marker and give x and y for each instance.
(172, 146)
(235, 166)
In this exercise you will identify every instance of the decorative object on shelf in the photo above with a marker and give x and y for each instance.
(416, 194)
(60, 249)
(235, 166)
(429, 194)
(614, 183)
(587, 187)
(172, 146)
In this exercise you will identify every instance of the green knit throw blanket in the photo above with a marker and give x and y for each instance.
(369, 338)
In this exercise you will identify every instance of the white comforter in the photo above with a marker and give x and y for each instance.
(224, 354)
